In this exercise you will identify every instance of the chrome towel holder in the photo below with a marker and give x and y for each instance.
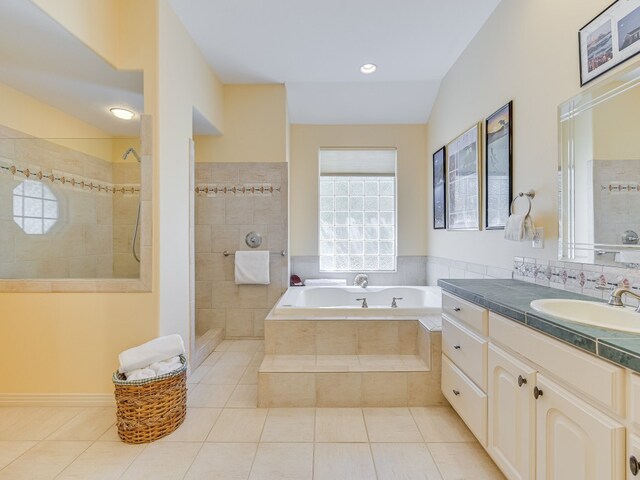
(528, 195)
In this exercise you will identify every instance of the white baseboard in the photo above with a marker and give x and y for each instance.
(57, 400)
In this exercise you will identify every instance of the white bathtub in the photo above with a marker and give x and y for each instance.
(331, 302)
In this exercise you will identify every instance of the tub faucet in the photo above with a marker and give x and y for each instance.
(393, 302)
(361, 280)
(615, 299)
(364, 302)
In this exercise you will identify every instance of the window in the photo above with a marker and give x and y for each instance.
(35, 207)
(357, 210)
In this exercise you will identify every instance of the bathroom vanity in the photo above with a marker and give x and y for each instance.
(548, 399)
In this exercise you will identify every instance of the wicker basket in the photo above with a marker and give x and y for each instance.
(152, 408)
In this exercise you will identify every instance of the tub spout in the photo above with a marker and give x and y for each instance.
(361, 280)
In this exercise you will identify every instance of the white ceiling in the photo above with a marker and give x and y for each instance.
(42, 59)
(316, 48)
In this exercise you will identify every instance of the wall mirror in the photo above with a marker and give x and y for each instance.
(70, 198)
(599, 172)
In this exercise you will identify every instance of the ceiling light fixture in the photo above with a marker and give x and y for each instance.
(368, 68)
(122, 113)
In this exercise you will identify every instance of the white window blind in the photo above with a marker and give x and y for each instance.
(357, 210)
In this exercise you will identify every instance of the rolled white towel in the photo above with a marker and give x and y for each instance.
(156, 350)
(140, 374)
(166, 366)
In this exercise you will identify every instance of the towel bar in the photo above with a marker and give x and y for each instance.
(282, 253)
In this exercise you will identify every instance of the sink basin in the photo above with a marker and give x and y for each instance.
(596, 314)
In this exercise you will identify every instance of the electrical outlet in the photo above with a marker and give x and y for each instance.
(538, 238)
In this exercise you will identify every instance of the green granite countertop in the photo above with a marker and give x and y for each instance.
(511, 299)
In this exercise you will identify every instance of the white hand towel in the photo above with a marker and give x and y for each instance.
(166, 366)
(252, 268)
(140, 374)
(323, 282)
(519, 228)
(158, 349)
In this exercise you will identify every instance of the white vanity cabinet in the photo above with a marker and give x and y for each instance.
(549, 410)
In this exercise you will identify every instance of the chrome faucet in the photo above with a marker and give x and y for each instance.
(615, 299)
(361, 280)
(364, 302)
(393, 302)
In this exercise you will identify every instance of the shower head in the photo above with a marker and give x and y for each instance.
(131, 151)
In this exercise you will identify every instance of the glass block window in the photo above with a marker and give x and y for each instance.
(357, 218)
(35, 207)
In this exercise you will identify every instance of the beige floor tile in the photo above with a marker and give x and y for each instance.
(340, 425)
(246, 346)
(463, 460)
(163, 460)
(441, 424)
(209, 396)
(223, 461)
(224, 345)
(250, 376)
(9, 451)
(351, 461)
(224, 375)
(110, 435)
(244, 396)
(258, 357)
(198, 374)
(408, 461)
(90, 424)
(235, 359)
(283, 461)
(213, 358)
(10, 416)
(102, 461)
(238, 425)
(44, 461)
(391, 425)
(338, 362)
(289, 425)
(37, 423)
(196, 426)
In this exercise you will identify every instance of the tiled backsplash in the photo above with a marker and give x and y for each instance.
(438, 268)
(593, 280)
(222, 220)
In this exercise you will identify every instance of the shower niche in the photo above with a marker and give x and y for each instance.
(70, 208)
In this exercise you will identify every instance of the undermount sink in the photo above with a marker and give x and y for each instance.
(624, 319)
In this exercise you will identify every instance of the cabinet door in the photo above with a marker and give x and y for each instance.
(511, 414)
(633, 457)
(574, 441)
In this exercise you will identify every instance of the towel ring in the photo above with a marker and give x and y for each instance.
(529, 195)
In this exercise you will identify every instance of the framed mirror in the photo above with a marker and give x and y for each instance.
(599, 172)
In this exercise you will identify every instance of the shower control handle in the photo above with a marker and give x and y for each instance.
(364, 302)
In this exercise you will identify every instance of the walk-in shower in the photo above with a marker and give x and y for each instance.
(132, 151)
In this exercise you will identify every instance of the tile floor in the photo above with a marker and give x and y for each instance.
(226, 437)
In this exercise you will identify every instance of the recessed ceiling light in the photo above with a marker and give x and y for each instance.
(368, 68)
(122, 113)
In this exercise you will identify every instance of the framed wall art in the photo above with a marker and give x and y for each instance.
(498, 167)
(463, 181)
(612, 37)
(439, 190)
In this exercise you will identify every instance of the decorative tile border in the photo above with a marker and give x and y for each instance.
(247, 189)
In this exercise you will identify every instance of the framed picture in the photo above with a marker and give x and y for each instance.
(439, 190)
(498, 167)
(463, 181)
(609, 39)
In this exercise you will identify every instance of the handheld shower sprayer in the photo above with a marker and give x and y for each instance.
(129, 151)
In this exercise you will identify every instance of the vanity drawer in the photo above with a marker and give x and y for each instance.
(468, 400)
(466, 349)
(634, 401)
(466, 312)
(599, 379)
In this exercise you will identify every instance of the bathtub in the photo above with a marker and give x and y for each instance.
(332, 302)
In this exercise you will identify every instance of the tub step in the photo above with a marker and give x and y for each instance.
(347, 381)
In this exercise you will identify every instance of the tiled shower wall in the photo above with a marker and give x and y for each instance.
(85, 237)
(222, 220)
(125, 209)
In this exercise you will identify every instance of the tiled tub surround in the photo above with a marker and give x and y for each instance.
(222, 220)
(93, 200)
(411, 270)
(351, 362)
(438, 267)
(511, 299)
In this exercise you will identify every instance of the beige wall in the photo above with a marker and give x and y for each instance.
(255, 127)
(526, 52)
(615, 127)
(410, 140)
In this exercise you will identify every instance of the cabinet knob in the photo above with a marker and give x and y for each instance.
(634, 466)
(456, 392)
(456, 309)
(457, 347)
(522, 381)
(537, 392)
